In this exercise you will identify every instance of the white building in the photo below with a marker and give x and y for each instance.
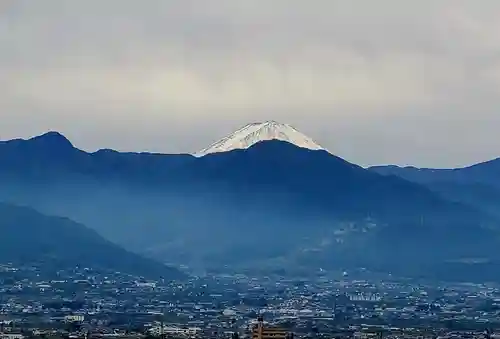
(74, 318)
(190, 331)
(11, 336)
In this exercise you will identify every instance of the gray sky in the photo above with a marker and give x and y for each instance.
(386, 81)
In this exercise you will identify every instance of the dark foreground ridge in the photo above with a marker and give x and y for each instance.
(31, 237)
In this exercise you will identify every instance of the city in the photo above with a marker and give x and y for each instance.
(83, 303)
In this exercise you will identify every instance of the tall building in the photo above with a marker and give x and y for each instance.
(268, 332)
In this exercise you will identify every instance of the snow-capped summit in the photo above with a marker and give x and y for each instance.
(251, 134)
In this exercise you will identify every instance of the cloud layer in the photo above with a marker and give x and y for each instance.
(377, 82)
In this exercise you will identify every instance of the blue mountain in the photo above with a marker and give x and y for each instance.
(273, 202)
(29, 237)
(477, 185)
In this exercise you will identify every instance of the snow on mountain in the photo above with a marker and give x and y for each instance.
(251, 134)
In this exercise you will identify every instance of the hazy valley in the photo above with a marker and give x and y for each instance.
(275, 202)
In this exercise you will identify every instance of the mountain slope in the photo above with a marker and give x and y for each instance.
(28, 236)
(273, 200)
(477, 185)
(317, 184)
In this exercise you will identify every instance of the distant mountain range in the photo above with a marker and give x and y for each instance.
(252, 199)
(477, 185)
(29, 237)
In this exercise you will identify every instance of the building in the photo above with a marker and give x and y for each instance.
(74, 318)
(168, 331)
(268, 332)
(11, 336)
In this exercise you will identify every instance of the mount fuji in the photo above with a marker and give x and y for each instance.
(253, 133)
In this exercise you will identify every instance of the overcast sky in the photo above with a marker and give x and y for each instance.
(387, 81)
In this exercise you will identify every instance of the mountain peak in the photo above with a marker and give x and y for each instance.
(253, 133)
(52, 139)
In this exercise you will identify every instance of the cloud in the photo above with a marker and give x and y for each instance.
(384, 81)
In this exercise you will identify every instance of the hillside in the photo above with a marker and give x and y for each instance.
(29, 237)
(477, 185)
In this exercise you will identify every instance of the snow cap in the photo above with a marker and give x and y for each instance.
(251, 134)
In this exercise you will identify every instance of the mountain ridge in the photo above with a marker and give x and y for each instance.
(178, 205)
(477, 185)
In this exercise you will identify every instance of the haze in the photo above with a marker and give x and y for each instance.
(374, 81)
